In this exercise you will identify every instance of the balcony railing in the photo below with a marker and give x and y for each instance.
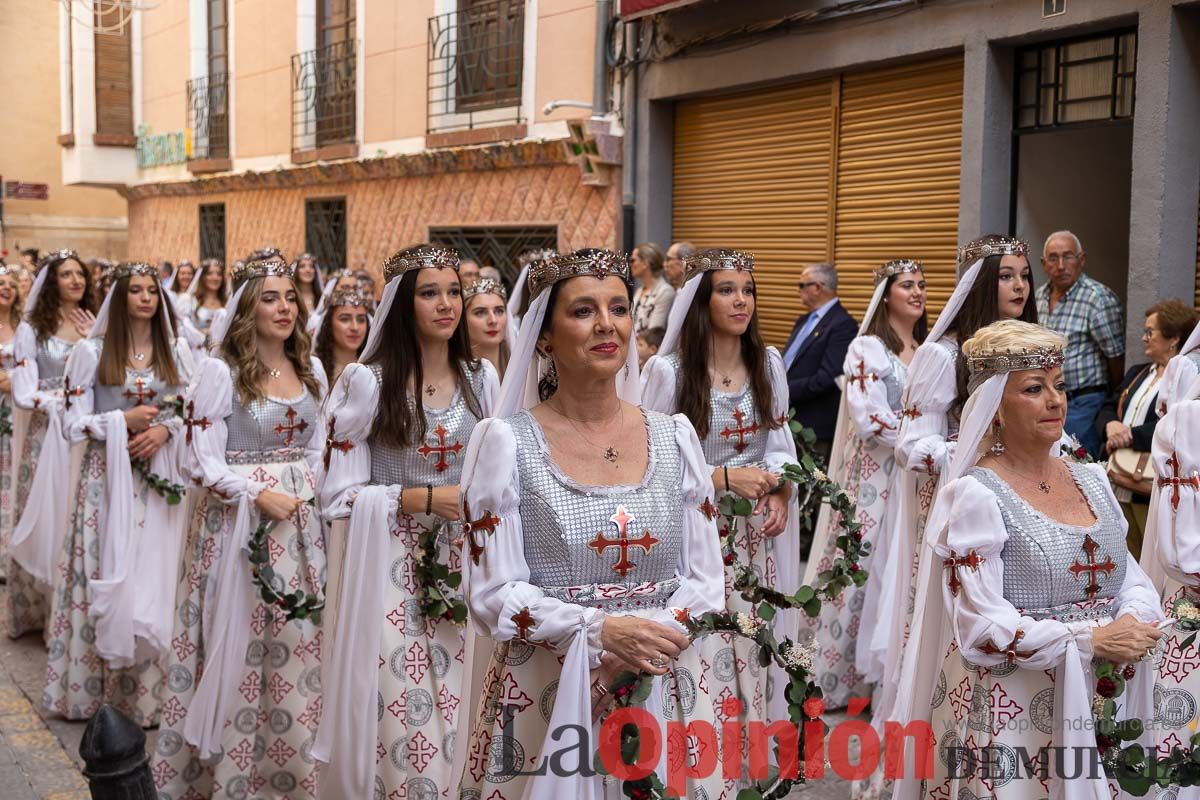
(208, 116)
(323, 96)
(476, 57)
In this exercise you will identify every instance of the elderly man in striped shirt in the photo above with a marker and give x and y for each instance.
(1089, 314)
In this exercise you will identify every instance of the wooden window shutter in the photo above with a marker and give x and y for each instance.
(114, 76)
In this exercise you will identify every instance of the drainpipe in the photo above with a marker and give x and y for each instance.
(629, 155)
(599, 61)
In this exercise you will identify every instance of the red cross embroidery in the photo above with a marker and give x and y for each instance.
(622, 519)
(971, 559)
(142, 394)
(741, 431)
(68, 393)
(441, 448)
(1092, 567)
(862, 376)
(192, 422)
(881, 424)
(524, 621)
(1176, 481)
(708, 509)
(288, 432)
(912, 412)
(332, 444)
(487, 522)
(930, 467)
(1011, 653)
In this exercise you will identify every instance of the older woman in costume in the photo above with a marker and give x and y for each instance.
(714, 368)
(1030, 581)
(588, 542)
(876, 367)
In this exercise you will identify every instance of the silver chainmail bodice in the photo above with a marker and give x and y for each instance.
(735, 435)
(1046, 562)
(437, 461)
(893, 382)
(271, 424)
(954, 414)
(8, 361)
(52, 356)
(571, 531)
(152, 389)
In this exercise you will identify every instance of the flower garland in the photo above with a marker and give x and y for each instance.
(171, 492)
(436, 582)
(802, 692)
(5, 421)
(294, 605)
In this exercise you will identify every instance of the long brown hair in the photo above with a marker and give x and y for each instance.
(881, 326)
(222, 290)
(44, 316)
(692, 396)
(118, 342)
(323, 348)
(504, 353)
(239, 348)
(401, 418)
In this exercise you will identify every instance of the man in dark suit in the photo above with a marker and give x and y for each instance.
(815, 352)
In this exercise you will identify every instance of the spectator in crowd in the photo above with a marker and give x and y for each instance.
(1129, 415)
(1089, 314)
(653, 298)
(165, 270)
(648, 343)
(673, 263)
(468, 271)
(490, 272)
(815, 352)
(366, 287)
(29, 260)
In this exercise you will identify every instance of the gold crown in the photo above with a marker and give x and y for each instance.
(715, 259)
(897, 267)
(530, 256)
(984, 366)
(346, 297)
(263, 253)
(420, 257)
(484, 286)
(991, 246)
(589, 261)
(272, 266)
(128, 269)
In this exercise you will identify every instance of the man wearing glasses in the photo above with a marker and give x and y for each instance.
(1089, 314)
(673, 263)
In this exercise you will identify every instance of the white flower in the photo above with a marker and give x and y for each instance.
(801, 655)
(820, 475)
(748, 625)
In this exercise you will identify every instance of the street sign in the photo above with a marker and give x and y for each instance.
(16, 190)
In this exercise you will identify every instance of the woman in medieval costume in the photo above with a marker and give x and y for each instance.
(1030, 581)
(10, 312)
(863, 463)
(398, 424)
(111, 619)
(58, 315)
(714, 368)
(243, 678)
(308, 280)
(485, 313)
(591, 539)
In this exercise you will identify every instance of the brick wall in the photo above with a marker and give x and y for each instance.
(383, 215)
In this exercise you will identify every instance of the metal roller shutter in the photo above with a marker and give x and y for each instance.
(753, 171)
(858, 168)
(899, 143)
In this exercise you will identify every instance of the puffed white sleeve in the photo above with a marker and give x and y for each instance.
(347, 456)
(210, 403)
(24, 375)
(1175, 509)
(1181, 372)
(315, 449)
(659, 381)
(781, 445)
(490, 389)
(496, 575)
(79, 418)
(866, 397)
(930, 390)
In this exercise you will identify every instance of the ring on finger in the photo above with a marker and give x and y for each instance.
(658, 662)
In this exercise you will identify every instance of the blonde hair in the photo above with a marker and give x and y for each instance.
(1011, 336)
(240, 347)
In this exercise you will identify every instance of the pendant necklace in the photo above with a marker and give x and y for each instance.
(430, 390)
(139, 356)
(611, 454)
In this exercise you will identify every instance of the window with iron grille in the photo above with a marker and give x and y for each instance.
(499, 246)
(325, 231)
(324, 79)
(212, 231)
(208, 97)
(476, 55)
(1076, 80)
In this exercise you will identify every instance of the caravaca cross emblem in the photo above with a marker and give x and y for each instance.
(622, 519)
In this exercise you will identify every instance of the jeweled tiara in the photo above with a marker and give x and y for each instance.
(984, 366)
(897, 267)
(347, 297)
(263, 253)
(716, 259)
(991, 246)
(420, 257)
(127, 269)
(273, 266)
(484, 286)
(530, 256)
(594, 262)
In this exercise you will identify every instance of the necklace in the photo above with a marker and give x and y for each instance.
(273, 372)
(611, 454)
(139, 356)
(431, 390)
(726, 381)
(1043, 485)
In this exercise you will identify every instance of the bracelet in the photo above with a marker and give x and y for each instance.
(399, 504)
(429, 499)
(726, 478)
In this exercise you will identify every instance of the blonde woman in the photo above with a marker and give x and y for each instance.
(10, 317)
(485, 306)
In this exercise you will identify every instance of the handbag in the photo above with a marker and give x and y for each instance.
(1131, 470)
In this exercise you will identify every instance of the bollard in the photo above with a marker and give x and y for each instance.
(114, 751)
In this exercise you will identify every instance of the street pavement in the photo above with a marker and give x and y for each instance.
(39, 751)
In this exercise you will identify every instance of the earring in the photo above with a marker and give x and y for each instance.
(997, 448)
